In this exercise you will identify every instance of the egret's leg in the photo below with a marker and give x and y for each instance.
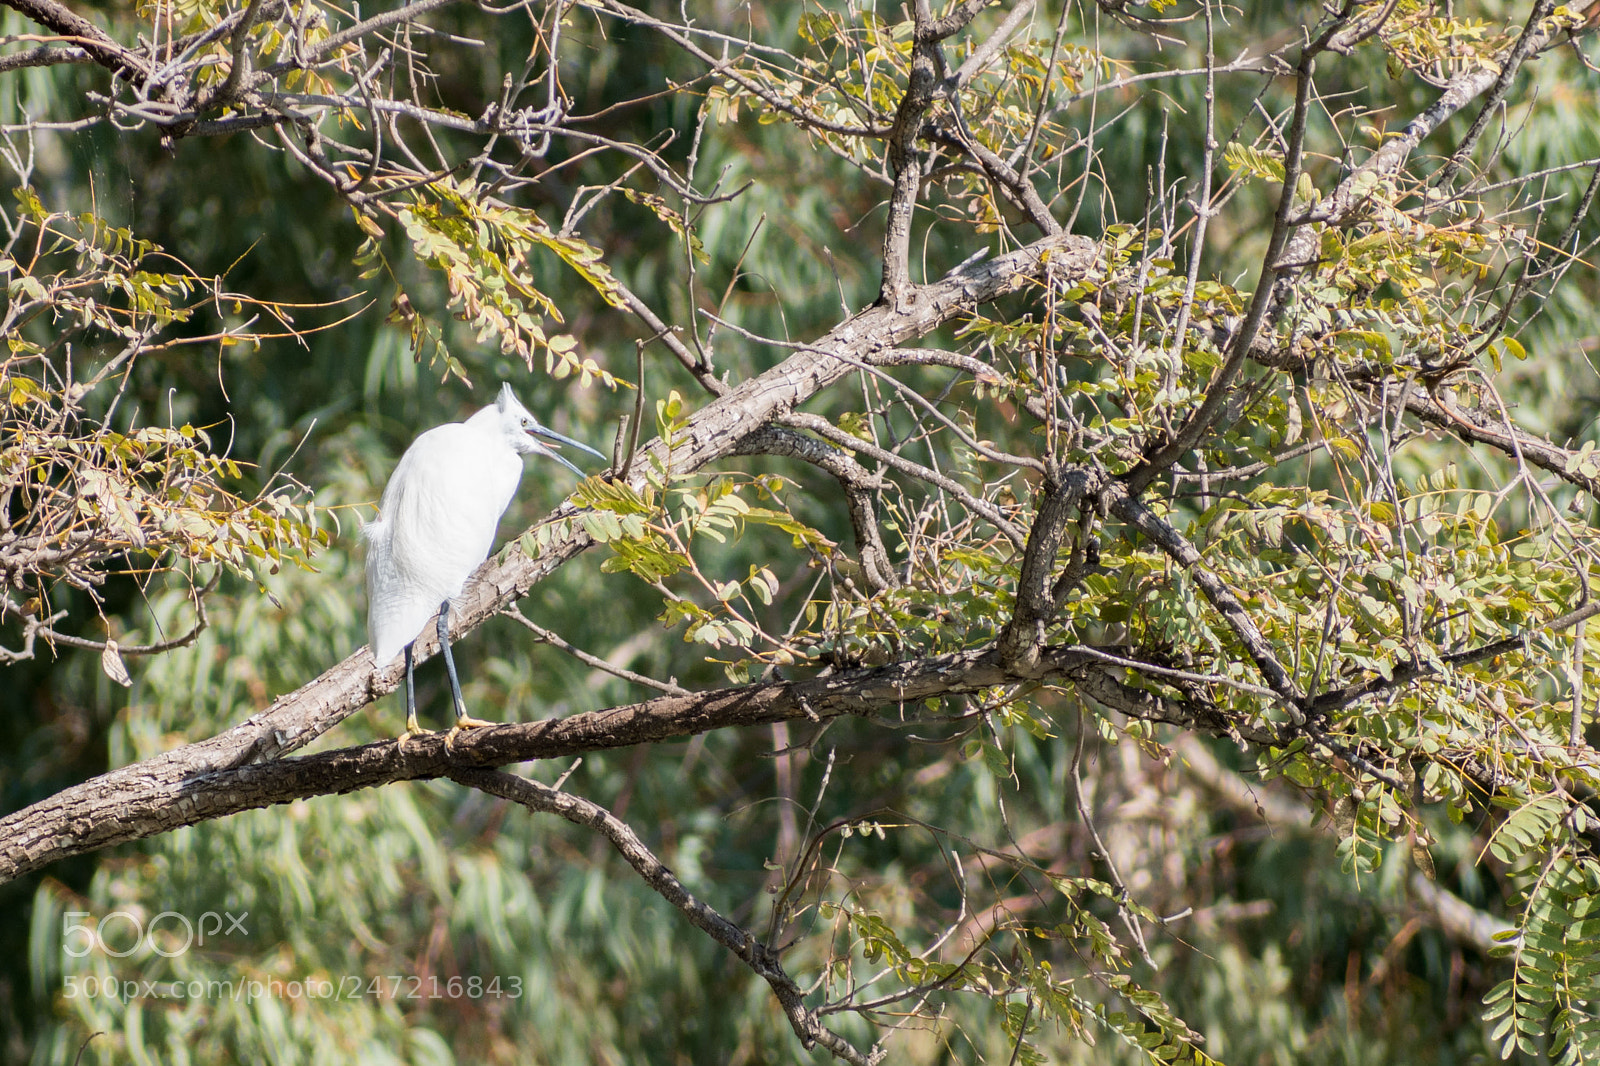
(412, 728)
(463, 720)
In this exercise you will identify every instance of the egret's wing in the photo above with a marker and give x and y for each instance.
(397, 606)
(438, 520)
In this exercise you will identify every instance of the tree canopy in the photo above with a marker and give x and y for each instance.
(1094, 566)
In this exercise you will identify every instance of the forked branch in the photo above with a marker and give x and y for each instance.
(747, 948)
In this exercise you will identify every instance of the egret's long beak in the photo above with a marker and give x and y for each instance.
(545, 431)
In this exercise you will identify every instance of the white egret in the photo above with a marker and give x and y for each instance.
(436, 523)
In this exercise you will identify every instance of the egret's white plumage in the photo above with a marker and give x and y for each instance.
(437, 522)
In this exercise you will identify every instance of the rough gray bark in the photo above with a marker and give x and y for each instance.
(146, 799)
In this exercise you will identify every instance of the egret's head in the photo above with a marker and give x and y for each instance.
(524, 431)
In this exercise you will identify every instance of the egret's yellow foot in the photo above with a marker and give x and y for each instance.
(463, 722)
(412, 730)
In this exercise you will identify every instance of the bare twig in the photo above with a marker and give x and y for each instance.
(748, 949)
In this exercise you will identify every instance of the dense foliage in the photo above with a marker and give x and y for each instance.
(1096, 564)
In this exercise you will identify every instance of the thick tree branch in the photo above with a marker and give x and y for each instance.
(94, 41)
(147, 799)
(923, 87)
(1037, 601)
(937, 357)
(904, 163)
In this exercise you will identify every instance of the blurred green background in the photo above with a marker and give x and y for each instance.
(1285, 959)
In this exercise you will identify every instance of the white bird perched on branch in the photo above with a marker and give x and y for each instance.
(436, 523)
